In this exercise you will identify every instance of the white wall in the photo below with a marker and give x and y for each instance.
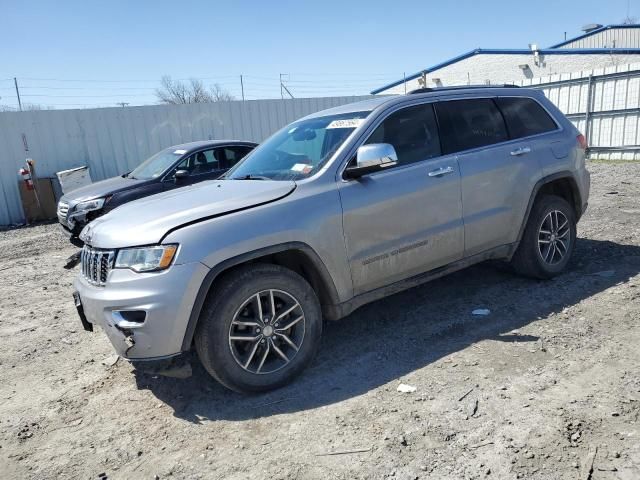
(501, 68)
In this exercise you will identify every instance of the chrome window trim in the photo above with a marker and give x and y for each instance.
(383, 115)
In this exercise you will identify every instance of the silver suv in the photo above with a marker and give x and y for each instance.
(338, 209)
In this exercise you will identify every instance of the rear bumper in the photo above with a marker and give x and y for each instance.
(166, 298)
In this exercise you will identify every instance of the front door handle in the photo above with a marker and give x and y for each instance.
(440, 171)
(520, 151)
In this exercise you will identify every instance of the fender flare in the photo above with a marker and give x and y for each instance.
(215, 272)
(565, 174)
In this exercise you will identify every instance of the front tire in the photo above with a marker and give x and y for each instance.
(259, 329)
(548, 240)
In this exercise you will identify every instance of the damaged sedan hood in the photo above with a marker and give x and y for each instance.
(101, 189)
(147, 221)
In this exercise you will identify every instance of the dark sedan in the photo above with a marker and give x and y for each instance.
(170, 168)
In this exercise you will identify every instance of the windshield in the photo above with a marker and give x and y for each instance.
(156, 165)
(298, 150)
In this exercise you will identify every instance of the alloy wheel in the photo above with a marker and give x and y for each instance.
(554, 237)
(267, 331)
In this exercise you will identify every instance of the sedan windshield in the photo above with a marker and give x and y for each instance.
(156, 165)
(299, 150)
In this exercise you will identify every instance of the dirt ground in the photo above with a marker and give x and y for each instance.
(547, 386)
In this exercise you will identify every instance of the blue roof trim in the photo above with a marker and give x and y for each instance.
(564, 51)
(413, 76)
(508, 51)
(592, 32)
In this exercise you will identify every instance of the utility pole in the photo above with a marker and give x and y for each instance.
(283, 88)
(15, 81)
(122, 104)
(242, 87)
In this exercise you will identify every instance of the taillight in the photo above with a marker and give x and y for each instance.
(582, 142)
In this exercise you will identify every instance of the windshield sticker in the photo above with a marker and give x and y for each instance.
(346, 123)
(179, 152)
(302, 168)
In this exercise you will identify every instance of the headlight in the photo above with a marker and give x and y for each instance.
(146, 259)
(95, 204)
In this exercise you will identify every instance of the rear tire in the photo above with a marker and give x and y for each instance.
(548, 240)
(259, 329)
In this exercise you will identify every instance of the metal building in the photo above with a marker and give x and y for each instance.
(599, 47)
(608, 36)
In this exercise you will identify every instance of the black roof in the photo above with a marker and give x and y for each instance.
(190, 146)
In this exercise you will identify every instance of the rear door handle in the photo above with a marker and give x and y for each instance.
(441, 171)
(520, 151)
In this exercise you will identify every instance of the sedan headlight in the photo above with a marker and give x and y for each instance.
(146, 259)
(89, 205)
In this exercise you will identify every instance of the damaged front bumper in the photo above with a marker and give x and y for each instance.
(144, 315)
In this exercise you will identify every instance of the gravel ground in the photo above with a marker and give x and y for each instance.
(546, 386)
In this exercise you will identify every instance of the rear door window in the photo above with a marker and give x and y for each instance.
(525, 117)
(470, 123)
(233, 155)
(206, 161)
(413, 132)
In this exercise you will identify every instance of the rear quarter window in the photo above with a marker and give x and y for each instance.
(525, 117)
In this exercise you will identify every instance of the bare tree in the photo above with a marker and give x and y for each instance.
(175, 92)
(26, 107)
(36, 106)
(219, 94)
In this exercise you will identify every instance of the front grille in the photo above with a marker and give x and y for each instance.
(63, 210)
(95, 264)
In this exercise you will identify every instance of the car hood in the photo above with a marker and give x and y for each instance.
(147, 221)
(100, 189)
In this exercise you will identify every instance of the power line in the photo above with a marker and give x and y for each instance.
(86, 96)
(307, 85)
(35, 87)
(119, 81)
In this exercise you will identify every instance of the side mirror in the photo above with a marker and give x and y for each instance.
(180, 174)
(372, 158)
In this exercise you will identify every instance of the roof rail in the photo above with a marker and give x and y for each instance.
(459, 87)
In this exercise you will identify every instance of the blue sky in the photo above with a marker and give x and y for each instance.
(90, 53)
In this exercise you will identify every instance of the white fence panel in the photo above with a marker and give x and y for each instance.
(604, 104)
